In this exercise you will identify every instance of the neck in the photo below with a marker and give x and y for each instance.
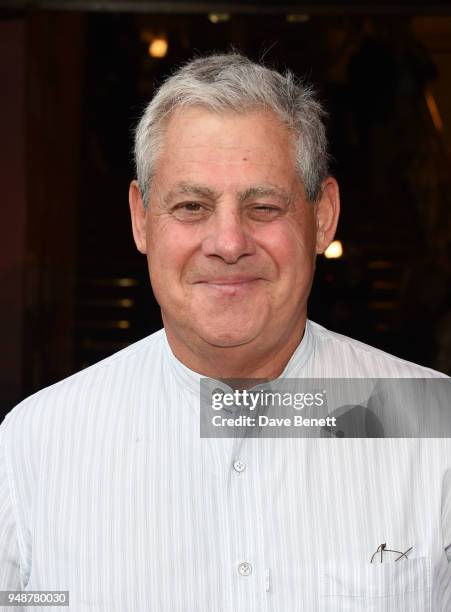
(244, 361)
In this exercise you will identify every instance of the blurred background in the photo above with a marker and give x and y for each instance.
(75, 76)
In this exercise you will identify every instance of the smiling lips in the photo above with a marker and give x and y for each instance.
(230, 285)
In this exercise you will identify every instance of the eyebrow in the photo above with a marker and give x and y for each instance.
(192, 189)
(264, 191)
(254, 191)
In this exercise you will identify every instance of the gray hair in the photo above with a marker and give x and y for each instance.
(233, 83)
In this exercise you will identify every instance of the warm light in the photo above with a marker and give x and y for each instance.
(126, 303)
(125, 282)
(218, 17)
(298, 18)
(334, 250)
(158, 47)
(123, 324)
(434, 112)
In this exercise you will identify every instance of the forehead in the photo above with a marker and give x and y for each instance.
(198, 135)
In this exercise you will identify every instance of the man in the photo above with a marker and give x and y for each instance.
(106, 488)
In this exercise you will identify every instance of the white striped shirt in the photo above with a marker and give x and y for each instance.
(108, 491)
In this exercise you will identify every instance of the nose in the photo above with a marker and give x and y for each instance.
(227, 237)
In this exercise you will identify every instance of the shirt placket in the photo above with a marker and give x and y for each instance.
(244, 515)
(245, 574)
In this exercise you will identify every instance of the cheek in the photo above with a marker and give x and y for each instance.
(171, 249)
(292, 251)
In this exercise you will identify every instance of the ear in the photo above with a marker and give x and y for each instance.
(327, 211)
(139, 217)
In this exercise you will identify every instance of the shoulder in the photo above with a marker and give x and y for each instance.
(340, 356)
(104, 384)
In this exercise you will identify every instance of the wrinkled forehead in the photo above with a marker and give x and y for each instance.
(197, 122)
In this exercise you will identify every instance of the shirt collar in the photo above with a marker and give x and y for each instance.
(190, 380)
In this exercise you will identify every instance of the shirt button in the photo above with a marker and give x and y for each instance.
(244, 569)
(239, 466)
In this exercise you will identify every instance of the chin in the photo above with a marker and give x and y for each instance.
(227, 338)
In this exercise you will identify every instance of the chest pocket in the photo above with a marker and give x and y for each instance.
(402, 586)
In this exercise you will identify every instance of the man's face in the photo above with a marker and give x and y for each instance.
(230, 238)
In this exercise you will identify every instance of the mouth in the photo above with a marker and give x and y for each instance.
(230, 286)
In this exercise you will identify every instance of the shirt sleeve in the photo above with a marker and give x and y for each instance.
(9, 549)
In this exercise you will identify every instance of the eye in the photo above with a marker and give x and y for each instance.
(265, 211)
(266, 208)
(190, 211)
(191, 206)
